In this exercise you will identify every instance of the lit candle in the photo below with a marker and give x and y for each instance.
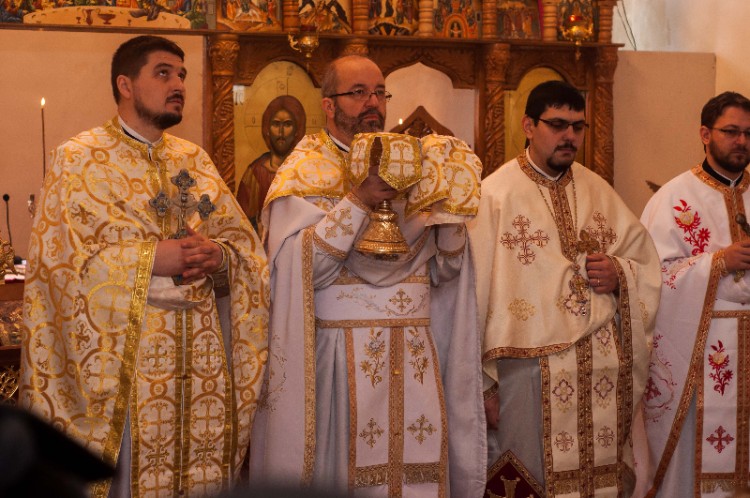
(44, 146)
(400, 121)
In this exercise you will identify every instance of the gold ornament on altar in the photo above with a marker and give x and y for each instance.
(398, 161)
(6, 259)
(576, 22)
(305, 42)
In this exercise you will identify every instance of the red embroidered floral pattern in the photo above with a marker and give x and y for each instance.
(689, 221)
(719, 361)
(669, 282)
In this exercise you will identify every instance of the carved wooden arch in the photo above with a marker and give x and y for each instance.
(563, 62)
(458, 65)
(257, 54)
(420, 123)
(490, 68)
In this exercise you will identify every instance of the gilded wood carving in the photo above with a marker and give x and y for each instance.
(490, 66)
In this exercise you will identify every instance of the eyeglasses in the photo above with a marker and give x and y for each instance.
(560, 125)
(361, 95)
(734, 133)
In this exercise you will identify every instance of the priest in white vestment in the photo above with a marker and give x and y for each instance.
(697, 401)
(374, 381)
(567, 290)
(147, 348)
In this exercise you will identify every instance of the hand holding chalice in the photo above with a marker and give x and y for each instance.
(396, 160)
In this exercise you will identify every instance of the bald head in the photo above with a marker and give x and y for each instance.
(345, 64)
(353, 90)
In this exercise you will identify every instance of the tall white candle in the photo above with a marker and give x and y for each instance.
(44, 146)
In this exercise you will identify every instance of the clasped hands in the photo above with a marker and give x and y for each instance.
(193, 257)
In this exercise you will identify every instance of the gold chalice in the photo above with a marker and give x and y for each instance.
(397, 159)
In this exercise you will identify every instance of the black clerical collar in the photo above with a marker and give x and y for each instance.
(338, 143)
(719, 177)
(135, 135)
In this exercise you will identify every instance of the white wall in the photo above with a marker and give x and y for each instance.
(658, 97)
(717, 26)
(71, 71)
(417, 85)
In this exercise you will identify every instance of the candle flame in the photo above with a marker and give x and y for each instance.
(400, 121)
(43, 101)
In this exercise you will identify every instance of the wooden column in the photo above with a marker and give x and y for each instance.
(496, 58)
(606, 8)
(223, 52)
(427, 18)
(489, 18)
(360, 21)
(290, 15)
(549, 20)
(603, 112)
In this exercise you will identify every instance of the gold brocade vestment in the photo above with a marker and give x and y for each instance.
(105, 341)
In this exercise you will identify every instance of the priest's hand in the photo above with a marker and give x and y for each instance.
(737, 256)
(373, 191)
(193, 257)
(601, 273)
(202, 255)
(492, 410)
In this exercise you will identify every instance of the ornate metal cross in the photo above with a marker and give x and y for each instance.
(184, 201)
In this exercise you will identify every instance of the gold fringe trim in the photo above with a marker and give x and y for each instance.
(355, 324)
(414, 473)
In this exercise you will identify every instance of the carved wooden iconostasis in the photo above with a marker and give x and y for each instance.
(498, 71)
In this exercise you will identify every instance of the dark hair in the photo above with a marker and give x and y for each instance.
(553, 94)
(715, 107)
(290, 104)
(330, 79)
(132, 55)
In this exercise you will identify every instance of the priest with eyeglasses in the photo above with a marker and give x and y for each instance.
(696, 401)
(567, 290)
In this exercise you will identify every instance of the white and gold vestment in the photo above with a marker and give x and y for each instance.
(110, 349)
(373, 382)
(569, 365)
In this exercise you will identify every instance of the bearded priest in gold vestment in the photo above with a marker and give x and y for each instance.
(145, 309)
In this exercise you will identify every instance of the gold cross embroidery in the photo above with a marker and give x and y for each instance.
(346, 229)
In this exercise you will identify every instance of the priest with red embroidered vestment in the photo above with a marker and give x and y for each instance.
(697, 402)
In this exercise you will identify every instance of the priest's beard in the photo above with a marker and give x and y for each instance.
(161, 120)
(734, 161)
(358, 124)
(562, 165)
